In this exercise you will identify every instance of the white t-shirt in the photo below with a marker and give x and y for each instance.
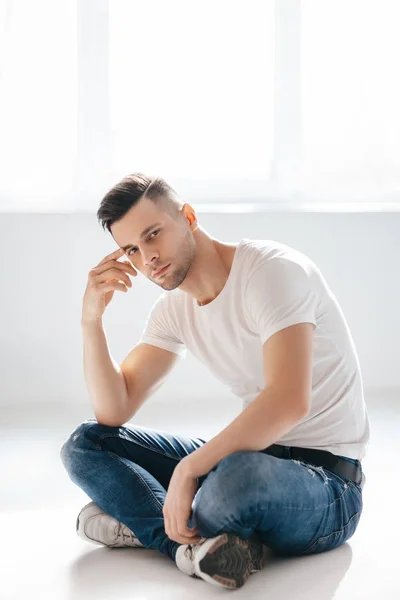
(272, 286)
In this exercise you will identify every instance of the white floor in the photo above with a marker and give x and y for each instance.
(43, 558)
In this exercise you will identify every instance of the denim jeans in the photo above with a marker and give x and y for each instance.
(293, 507)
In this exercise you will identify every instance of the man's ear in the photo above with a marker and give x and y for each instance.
(190, 215)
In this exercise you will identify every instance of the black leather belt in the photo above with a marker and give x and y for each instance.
(321, 458)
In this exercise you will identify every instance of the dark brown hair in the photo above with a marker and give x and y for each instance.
(129, 191)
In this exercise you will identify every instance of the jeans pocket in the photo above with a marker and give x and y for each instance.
(335, 539)
(356, 487)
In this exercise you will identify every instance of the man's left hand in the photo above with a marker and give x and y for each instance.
(178, 505)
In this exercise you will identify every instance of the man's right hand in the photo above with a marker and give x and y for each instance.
(103, 280)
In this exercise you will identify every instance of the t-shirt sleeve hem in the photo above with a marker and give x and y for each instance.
(293, 320)
(164, 344)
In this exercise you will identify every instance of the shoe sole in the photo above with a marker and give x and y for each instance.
(230, 560)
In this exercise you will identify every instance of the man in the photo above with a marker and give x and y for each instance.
(286, 473)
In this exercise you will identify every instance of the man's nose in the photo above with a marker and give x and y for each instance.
(149, 259)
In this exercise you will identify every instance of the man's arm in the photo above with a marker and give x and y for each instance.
(286, 399)
(117, 392)
(145, 369)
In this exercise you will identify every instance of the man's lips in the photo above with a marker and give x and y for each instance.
(161, 271)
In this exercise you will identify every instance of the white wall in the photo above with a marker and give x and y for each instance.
(45, 259)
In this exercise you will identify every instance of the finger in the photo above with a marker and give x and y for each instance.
(186, 532)
(101, 276)
(181, 538)
(126, 262)
(121, 266)
(113, 255)
(175, 536)
(174, 530)
(167, 527)
(192, 536)
(189, 530)
(189, 541)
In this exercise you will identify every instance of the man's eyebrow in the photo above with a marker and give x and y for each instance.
(145, 232)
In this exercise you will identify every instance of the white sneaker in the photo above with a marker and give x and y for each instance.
(98, 527)
(184, 557)
(225, 560)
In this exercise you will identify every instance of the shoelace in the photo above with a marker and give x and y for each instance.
(125, 532)
(189, 553)
(191, 549)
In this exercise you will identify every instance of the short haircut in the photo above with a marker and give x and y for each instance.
(129, 191)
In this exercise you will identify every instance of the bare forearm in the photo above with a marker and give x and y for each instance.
(104, 379)
(268, 418)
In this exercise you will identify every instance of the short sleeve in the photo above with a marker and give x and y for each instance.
(159, 330)
(279, 293)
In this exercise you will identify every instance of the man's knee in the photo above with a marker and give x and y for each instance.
(75, 438)
(230, 484)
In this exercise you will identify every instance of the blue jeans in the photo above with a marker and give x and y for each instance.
(293, 507)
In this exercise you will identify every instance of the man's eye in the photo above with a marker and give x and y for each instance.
(152, 233)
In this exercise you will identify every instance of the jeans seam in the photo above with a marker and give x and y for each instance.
(326, 537)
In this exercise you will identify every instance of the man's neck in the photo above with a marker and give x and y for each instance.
(210, 269)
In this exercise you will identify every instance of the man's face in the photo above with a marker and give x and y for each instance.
(169, 242)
